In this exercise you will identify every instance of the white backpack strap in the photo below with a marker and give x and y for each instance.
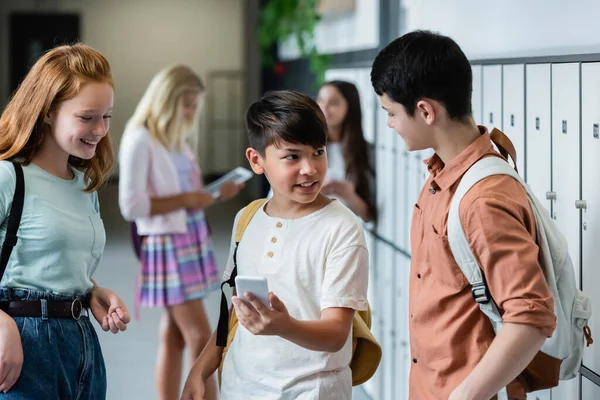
(460, 246)
(458, 240)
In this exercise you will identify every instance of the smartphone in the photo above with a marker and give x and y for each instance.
(256, 285)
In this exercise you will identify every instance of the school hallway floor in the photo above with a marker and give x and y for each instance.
(130, 356)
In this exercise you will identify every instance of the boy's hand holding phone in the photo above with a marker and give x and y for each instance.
(260, 319)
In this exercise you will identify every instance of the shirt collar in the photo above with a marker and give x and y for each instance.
(444, 176)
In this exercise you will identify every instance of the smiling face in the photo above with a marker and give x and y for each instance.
(77, 125)
(295, 171)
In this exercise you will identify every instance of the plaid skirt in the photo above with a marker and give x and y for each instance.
(176, 268)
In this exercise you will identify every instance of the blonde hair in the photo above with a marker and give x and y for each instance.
(159, 109)
(58, 75)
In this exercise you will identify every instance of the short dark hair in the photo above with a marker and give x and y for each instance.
(285, 116)
(425, 64)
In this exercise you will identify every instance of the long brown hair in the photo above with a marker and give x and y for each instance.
(356, 155)
(58, 75)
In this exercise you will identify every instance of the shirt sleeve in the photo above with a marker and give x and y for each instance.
(134, 165)
(230, 264)
(500, 229)
(8, 183)
(346, 276)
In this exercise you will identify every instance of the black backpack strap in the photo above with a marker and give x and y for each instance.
(223, 325)
(14, 219)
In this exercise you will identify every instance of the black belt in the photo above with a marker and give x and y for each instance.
(54, 308)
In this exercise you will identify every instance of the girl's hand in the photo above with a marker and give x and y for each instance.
(11, 353)
(258, 318)
(230, 190)
(109, 310)
(198, 200)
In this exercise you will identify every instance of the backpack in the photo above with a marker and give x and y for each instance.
(14, 218)
(560, 356)
(366, 351)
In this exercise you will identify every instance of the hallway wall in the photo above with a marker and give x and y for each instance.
(139, 37)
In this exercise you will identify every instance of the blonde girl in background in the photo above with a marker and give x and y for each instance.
(161, 190)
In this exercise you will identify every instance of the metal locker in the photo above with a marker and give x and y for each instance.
(590, 144)
(401, 203)
(382, 181)
(589, 390)
(492, 96)
(385, 178)
(513, 109)
(566, 173)
(402, 350)
(538, 127)
(566, 155)
(372, 386)
(369, 103)
(412, 189)
(387, 288)
(378, 310)
(476, 99)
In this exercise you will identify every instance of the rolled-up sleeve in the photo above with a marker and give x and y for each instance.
(501, 233)
(134, 164)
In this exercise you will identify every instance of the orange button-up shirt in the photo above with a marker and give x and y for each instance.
(448, 332)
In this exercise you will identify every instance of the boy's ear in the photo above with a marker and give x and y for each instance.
(426, 110)
(255, 160)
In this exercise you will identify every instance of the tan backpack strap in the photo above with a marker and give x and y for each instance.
(505, 146)
(246, 217)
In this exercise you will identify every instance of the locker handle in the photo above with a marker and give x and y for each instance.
(551, 195)
(581, 204)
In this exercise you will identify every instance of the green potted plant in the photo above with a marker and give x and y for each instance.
(283, 19)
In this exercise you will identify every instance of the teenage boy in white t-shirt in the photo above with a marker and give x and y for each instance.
(311, 249)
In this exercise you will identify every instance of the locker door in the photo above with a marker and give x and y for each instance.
(513, 99)
(402, 355)
(590, 143)
(385, 178)
(412, 188)
(378, 309)
(388, 309)
(538, 128)
(369, 103)
(373, 385)
(589, 390)
(492, 96)
(402, 204)
(566, 173)
(476, 99)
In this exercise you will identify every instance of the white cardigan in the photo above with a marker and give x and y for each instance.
(146, 170)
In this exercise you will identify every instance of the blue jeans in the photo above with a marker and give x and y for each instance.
(62, 357)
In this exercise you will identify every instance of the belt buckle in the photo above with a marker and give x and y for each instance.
(76, 308)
